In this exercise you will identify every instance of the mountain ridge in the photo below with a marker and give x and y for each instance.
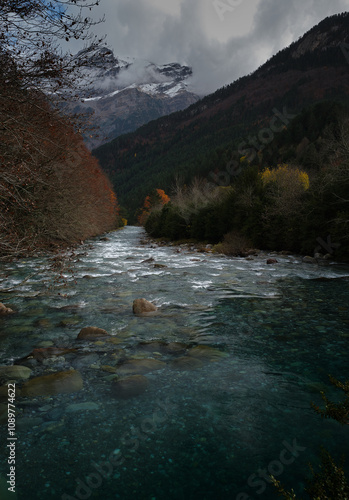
(202, 137)
(125, 93)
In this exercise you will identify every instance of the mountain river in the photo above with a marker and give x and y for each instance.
(235, 355)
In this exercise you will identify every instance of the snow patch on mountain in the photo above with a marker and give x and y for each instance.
(109, 75)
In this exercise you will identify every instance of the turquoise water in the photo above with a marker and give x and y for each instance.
(213, 432)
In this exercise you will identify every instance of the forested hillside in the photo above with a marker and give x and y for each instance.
(52, 191)
(293, 197)
(234, 121)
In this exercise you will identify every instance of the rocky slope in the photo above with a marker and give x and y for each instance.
(127, 93)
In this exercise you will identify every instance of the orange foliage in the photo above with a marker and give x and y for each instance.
(51, 188)
(157, 198)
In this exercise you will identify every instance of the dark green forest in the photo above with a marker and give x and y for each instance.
(201, 140)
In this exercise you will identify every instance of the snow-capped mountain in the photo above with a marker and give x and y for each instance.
(127, 93)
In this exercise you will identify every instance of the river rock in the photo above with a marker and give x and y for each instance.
(143, 306)
(26, 423)
(55, 383)
(309, 260)
(14, 372)
(5, 310)
(82, 407)
(186, 363)
(272, 261)
(129, 387)
(108, 368)
(147, 260)
(139, 366)
(162, 347)
(207, 353)
(91, 333)
(176, 348)
(42, 353)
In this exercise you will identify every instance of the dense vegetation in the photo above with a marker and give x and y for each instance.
(200, 141)
(52, 191)
(296, 206)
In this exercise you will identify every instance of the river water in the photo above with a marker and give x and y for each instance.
(211, 427)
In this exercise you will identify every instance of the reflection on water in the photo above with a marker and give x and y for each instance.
(215, 420)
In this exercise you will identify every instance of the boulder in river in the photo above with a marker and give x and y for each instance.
(186, 363)
(143, 306)
(129, 387)
(92, 333)
(309, 260)
(14, 372)
(207, 353)
(5, 310)
(55, 383)
(272, 261)
(139, 366)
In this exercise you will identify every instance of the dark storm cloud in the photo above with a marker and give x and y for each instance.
(220, 44)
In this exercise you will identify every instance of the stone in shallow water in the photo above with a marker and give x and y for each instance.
(207, 353)
(5, 310)
(186, 363)
(91, 333)
(27, 423)
(43, 323)
(14, 372)
(129, 387)
(55, 383)
(140, 366)
(143, 306)
(109, 369)
(70, 322)
(82, 406)
(45, 343)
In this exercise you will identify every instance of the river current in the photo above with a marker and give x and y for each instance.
(259, 341)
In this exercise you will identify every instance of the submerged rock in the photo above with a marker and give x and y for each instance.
(14, 372)
(186, 363)
(42, 353)
(82, 407)
(309, 260)
(140, 366)
(55, 383)
(5, 310)
(172, 348)
(143, 306)
(147, 260)
(207, 353)
(272, 261)
(91, 333)
(129, 387)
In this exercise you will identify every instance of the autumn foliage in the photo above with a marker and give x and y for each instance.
(52, 191)
(156, 200)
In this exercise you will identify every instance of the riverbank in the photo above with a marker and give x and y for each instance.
(248, 253)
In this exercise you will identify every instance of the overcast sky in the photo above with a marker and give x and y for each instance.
(220, 39)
